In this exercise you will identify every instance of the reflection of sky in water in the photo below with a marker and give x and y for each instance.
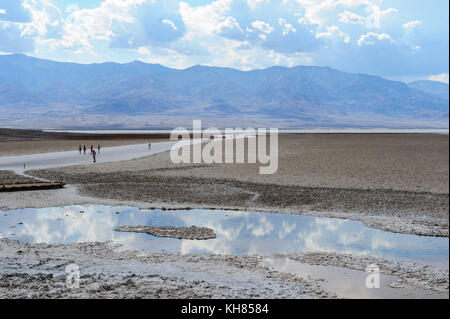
(237, 232)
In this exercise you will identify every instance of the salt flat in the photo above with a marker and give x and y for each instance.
(68, 158)
(394, 182)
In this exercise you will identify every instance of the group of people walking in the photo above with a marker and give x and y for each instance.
(93, 151)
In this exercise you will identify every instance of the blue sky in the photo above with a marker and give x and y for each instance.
(398, 39)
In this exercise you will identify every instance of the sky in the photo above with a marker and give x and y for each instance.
(398, 39)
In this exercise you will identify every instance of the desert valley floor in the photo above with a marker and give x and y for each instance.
(389, 182)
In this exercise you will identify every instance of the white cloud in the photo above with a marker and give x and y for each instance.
(242, 34)
(443, 77)
(229, 28)
(254, 3)
(14, 39)
(169, 23)
(287, 27)
(143, 51)
(412, 24)
(204, 20)
(387, 12)
(262, 26)
(376, 15)
(350, 17)
(316, 11)
(333, 31)
(2, 11)
(373, 37)
(46, 18)
(52, 31)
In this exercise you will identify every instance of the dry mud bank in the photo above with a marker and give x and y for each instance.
(192, 233)
(39, 271)
(9, 177)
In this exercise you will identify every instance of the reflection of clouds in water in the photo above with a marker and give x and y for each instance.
(227, 229)
(257, 237)
(331, 235)
(350, 238)
(237, 232)
(329, 224)
(233, 232)
(264, 227)
(94, 225)
(312, 241)
(378, 242)
(310, 238)
(215, 246)
(39, 232)
(89, 226)
(286, 229)
(41, 228)
(241, 232)
(229, 233)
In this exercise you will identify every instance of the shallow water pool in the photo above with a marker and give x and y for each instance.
(237, 232)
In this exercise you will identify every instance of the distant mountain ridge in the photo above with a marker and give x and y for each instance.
(151, 94)
(439, 89)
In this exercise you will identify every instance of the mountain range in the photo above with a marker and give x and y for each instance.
(36, 93)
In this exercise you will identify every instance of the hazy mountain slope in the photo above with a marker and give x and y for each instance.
(37, 74)
(16, 96)
(436, 88)
(303, 93)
